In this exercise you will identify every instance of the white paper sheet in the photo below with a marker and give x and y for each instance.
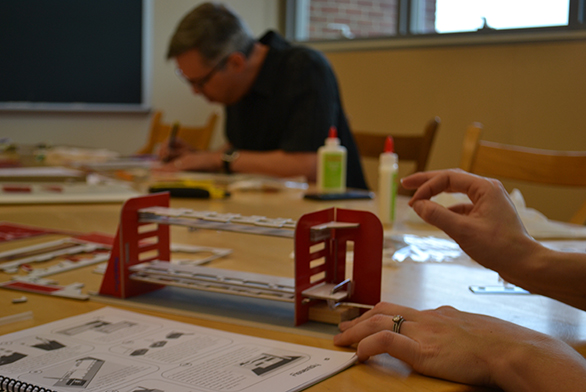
(117, 350)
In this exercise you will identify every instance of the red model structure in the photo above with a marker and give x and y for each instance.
(322, 240)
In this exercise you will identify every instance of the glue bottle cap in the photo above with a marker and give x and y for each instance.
(388, 157)
(389, 144)
(332, 139)
(333, 133)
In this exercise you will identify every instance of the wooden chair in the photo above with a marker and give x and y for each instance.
(538, 166)
(411, 148)
(198, 137)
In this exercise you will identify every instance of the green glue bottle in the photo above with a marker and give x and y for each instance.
(331, 165)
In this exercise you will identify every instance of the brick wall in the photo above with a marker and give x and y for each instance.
(364, 18)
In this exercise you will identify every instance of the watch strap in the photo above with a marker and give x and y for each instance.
(228, 157)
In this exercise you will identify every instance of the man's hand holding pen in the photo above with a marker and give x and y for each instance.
(174, 147)
(206, 161)
(169, 152)
(168, 157)
(179, 156)
(176, 155)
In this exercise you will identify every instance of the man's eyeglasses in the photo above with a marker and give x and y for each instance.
(200, 83)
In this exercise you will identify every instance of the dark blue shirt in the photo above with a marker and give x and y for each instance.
(291, 106)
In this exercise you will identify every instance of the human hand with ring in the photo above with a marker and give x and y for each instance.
(465, 347)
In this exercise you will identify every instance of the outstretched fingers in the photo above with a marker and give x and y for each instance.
(436, 182)
(446, 219)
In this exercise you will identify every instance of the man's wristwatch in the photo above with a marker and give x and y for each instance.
(229, 156)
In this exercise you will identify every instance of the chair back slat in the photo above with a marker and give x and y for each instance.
(198, 137)
(532, 165)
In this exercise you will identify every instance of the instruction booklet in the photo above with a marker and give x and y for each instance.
(117, 350)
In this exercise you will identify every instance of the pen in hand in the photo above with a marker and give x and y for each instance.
(172, 137)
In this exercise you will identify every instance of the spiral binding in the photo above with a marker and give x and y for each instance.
(11, 385)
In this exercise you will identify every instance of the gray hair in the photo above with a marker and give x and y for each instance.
(212, 29)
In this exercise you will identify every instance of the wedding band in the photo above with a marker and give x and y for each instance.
(397, 320)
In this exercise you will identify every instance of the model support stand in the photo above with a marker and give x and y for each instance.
(132, 243)
(321, 274)
(322, 240)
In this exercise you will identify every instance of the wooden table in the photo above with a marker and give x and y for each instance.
(419, 285)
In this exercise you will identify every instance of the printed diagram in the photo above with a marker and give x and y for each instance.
(266, 363)
(22, 348)
(96, 372)
(112, 350)
(143, 351)
(142, 389)
(176, 335)
(42, 351)
(153, 385)
(96, 326)
(237, 368)
(102, 330)
(9, 356)
(81, 373)
(48, 344)
(170, 346)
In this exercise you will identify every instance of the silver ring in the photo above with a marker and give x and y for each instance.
(397, 320)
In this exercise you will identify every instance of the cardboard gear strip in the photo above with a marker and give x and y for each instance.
(46, 287)
(208, 220)
(70, 247)
(79, 251)
(216, 280)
